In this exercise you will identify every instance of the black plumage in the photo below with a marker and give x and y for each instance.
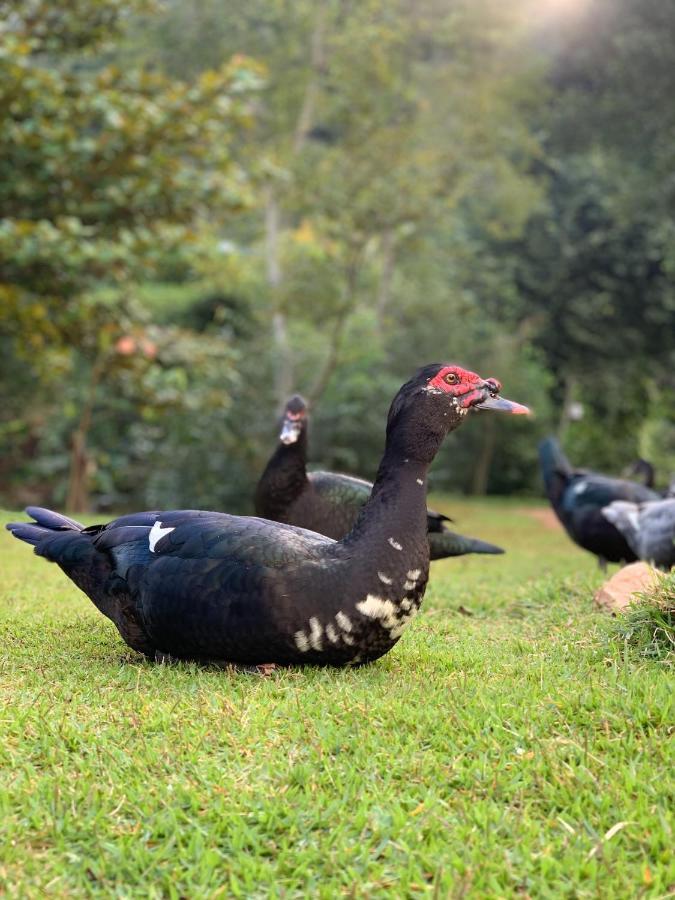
(330, 502)
(213, 587)
(579, 496)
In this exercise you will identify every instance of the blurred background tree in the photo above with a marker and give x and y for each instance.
(207, 206)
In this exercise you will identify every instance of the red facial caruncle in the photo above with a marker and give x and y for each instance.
(466, 387)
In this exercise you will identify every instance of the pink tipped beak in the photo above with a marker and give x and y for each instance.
(501, 404)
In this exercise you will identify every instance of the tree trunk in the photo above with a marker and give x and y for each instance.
(273, 220)
(77, 498)
(284, 368)
(386, 276)
(317, 63)
(481, 472)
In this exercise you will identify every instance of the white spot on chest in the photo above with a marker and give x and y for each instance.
(343, 621)
(156, 534)
(419, 481)
(301, 641)
(315, 633)
(390, 616)
(385, 579)
(395, 544)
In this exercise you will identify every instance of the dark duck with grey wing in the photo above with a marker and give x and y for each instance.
(330, 502)
(579, 496)
(213, 587)
(649, 528)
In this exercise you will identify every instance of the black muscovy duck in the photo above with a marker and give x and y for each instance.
(329, 502)
(649, 528)
(578, 497)
(644, 469)
(208, 586)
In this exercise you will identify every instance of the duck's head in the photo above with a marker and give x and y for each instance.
(294, 420)
(437, 399)
(465, 390)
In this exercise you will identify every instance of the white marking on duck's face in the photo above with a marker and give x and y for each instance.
(395, 544)
(385, 579)
(331, 633)
(315, 633)
(156, 534)
(301, 641)
(343, 621)
(419, 481)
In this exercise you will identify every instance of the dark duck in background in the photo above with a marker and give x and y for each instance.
(330, 502)
(579, 496)
(209, 586)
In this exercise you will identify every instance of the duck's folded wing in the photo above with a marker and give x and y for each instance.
(210, 585)
(591, 489)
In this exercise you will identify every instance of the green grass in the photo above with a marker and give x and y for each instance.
(521, 750)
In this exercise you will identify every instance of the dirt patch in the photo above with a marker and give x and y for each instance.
(545, 516)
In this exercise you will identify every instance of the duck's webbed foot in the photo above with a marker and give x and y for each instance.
(166, 659)
(263, 669)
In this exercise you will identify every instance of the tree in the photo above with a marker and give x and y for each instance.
(103, 170)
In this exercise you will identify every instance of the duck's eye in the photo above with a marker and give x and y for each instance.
(451, 378)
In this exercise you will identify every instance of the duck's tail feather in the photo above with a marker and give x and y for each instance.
(47, 522)
(67, 543)
(448, 543)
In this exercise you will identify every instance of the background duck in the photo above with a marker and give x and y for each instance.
(578, 497)
(330, 502)
(649, 528)
(215, 587)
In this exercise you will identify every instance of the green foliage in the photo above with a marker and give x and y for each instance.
(321, 197)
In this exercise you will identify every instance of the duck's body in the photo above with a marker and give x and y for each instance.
(213, 587)
(649, 528)
(579, 496)
(330, 502)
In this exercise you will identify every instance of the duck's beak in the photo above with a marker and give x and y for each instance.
(501, 404)
(290, 430)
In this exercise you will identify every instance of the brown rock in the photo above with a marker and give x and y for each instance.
(619, 591)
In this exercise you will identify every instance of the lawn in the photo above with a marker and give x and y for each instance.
(508, 746)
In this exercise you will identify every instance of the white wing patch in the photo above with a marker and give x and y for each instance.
(156, 534)
(395, 544)
(385, 579)
(579, 488)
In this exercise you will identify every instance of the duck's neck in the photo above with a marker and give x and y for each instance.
(393, 524)
(285, 476)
